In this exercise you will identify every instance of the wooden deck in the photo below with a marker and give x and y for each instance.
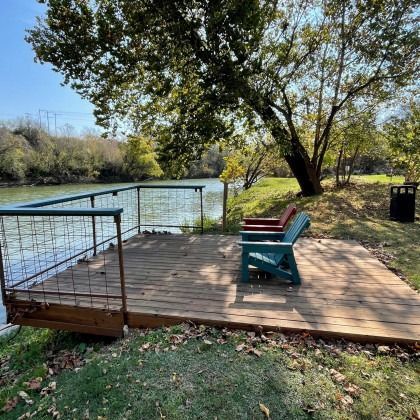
(345, 292)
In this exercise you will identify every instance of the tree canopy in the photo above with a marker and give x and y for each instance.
(191, 72)
(403, 135)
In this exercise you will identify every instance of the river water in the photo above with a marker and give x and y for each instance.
(212, 197)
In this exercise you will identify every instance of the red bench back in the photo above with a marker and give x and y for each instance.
(287, 214)
(268, 224)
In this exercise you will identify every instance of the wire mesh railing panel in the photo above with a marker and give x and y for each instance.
(127, 200)
(172, 210)
(69, 250)
(49, 259)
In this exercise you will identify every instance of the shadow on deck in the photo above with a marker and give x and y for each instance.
(345, 292)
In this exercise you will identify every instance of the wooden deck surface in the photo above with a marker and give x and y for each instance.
(345, 291)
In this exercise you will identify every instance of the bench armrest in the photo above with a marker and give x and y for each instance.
(262, 228)
(283, 247)
(260, 235)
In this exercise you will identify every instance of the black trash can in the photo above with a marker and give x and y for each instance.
(403, 203)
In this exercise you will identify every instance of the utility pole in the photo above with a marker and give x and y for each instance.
(48, 122)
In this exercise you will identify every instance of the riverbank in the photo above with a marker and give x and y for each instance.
(359, 212)
(49, 181)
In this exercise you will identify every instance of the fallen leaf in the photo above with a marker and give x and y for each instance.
(383, 349)
(10, 404)
(257, 353)
(352, 389)
(337, 376)
(347, 400)
(294, 365)
(240, 347)
(415, 415)
(264, 410)
(25, 397)
(33, 383)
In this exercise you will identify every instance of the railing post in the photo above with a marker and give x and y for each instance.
(92, 204)
(201, 211)
(138, 209)
(117, 220)
(2, 278)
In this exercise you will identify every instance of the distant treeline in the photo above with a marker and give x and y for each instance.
(29, 155)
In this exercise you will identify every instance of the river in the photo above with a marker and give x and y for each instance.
(212, 197)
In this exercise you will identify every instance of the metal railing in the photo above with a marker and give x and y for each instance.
(69, 250)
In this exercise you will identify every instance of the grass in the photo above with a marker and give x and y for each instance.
(359, 212)
(190, 372)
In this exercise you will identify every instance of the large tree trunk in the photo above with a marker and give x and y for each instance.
(304, 172)
(296, 155)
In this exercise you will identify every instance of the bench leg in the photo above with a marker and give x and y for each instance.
(293, 269)
(245, 268)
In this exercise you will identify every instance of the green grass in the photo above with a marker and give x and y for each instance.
(359, 212)
(192, 373)
(31, 354)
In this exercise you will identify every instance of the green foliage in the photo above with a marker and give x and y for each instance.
(140, 159)
(403, 134)
(27, 153)
(210, 165)
(357, 134)
(233, 171)
(189, 74)
(13, 160)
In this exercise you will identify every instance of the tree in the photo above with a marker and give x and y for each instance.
(210, 165)
(140, 159)
(351, 137)
(403, 134)
(185, 72)
(13, 165)
(233, 172)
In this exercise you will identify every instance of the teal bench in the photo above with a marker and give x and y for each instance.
(273, 251)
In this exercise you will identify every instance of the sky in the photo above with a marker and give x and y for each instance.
(29, 89)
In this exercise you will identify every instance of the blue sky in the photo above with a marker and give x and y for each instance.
(27, 87)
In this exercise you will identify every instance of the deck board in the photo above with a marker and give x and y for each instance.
(345, 291)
